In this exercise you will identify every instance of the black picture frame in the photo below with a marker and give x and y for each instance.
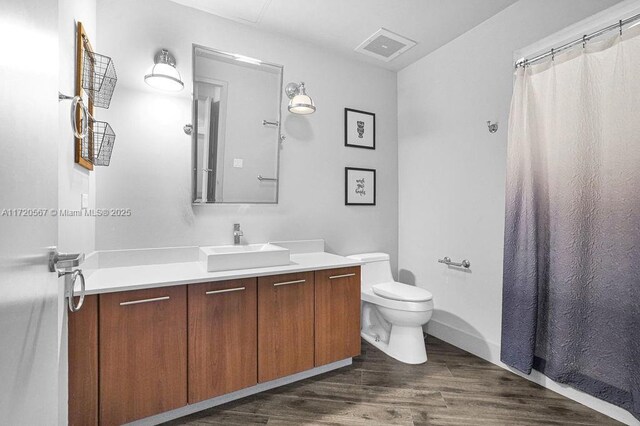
(347, 193)
(355, 112)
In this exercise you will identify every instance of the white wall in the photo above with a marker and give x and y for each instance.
(75, 234)
(452, 170)
(150, 168)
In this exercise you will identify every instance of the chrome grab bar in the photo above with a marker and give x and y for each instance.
(333, 277)
(135, 302)
(289, 282)
(226, 290)
(261, 178)
(270, 123)
(447, 261)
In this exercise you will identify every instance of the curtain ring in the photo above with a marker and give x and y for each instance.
(584, 41)
(553, 55)
(621, 28)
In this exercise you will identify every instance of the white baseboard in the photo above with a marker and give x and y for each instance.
(490, 351)
(260, 387)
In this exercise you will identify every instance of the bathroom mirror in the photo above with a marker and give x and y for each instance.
(236, 128)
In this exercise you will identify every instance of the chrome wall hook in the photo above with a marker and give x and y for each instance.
(492, 127)
(63, 97)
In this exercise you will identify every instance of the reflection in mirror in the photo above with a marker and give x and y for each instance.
(236, 132)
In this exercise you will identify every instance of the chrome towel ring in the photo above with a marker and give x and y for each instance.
(84, 115)
(73, 307)
(84, 118)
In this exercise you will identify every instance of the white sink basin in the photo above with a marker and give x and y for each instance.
(224, 258)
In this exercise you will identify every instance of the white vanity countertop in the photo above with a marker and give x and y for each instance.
(108, 280)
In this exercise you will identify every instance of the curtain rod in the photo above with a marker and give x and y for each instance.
(585, 38)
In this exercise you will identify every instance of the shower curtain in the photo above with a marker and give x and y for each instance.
(571, 294)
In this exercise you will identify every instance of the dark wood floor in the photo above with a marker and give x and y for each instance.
(452, 388)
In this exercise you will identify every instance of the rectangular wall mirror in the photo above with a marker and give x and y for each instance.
(236, 128)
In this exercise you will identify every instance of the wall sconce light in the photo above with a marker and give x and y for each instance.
(164, 75)
(300, 102)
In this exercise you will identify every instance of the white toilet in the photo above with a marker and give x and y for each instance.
(392, 313)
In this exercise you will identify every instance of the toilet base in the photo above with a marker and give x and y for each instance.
(406, 344)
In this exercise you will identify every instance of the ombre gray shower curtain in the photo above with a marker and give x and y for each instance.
(571, 295)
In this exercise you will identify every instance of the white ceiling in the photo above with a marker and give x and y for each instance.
(343, 24)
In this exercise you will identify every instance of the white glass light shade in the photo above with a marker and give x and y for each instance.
(164, 75)
(301, 104)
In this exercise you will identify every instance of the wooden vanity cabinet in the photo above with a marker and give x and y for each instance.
(337, 314)
(223, 337)
(285, 325)
(134, 354)
(143, 353)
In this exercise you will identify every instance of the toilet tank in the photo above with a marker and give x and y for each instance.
(376, 268)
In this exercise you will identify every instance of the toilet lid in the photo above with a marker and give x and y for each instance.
(399, 291)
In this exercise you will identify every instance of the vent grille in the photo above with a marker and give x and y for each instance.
(385, 45)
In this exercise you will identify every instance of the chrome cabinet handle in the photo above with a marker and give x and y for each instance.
(262, 178)
(226, 290)
(333, 277)
(135, 302)
(289, 282)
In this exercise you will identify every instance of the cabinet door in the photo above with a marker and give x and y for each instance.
(143, 353)
(223, 338)
(285, 325)
(83, 364)
(337, 309)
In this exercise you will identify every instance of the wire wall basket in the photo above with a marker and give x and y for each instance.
(98, 145)
(98, 78)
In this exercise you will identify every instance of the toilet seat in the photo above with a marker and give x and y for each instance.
(403, 292)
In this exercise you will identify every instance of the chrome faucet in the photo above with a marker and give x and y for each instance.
(237, 233)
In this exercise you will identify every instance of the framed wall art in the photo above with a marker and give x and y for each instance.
(359, 129)
(360, 186)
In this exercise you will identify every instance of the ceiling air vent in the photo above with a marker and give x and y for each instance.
(385, 45)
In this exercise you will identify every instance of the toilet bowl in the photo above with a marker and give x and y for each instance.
(392, 313)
